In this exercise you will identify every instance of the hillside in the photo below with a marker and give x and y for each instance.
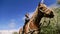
(51, 26)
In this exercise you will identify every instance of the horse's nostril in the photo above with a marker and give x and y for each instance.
(51, 15)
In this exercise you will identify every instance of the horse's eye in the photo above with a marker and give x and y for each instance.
(41, 8)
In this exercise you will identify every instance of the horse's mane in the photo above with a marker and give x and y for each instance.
(33, 15)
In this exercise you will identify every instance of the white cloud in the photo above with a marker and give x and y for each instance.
(12, 23)
(8, 31)
(55, 5)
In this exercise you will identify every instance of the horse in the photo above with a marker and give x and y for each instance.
(34, 24)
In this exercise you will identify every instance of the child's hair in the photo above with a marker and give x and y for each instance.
(27, 15)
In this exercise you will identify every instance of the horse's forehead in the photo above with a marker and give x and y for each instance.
(43, 5)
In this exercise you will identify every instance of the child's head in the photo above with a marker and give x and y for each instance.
(27, 15)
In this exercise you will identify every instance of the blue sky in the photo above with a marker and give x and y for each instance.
(13, 11)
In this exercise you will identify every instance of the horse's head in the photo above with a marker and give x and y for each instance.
(47, 12)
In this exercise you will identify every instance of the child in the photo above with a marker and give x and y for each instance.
(27, 18)
(26, 21)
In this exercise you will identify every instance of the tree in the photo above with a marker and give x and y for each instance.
(15, 33)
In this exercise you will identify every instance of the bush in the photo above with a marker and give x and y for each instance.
(54, 25)
(15, 33)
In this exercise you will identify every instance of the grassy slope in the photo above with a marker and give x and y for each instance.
(54, 26)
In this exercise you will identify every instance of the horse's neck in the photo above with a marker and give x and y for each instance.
(36, 17)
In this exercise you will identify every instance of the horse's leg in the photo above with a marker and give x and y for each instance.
(20, 32)
(39, 31)
(23, 29)
(26, 29)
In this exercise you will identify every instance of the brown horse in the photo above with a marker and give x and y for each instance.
(34, 24)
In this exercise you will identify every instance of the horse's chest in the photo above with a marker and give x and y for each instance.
(33, 26)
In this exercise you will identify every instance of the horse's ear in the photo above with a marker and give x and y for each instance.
(39, 4)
